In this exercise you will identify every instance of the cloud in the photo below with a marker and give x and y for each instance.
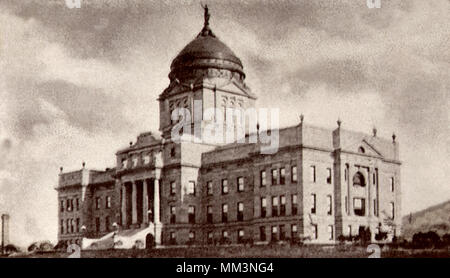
(78, 84)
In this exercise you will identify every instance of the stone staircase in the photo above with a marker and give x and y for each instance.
(124, 239)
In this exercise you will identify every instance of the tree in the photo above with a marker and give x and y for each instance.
(426, 240)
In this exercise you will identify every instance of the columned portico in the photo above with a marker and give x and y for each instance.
(140, 203)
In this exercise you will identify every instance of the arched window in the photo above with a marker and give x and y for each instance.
(358, 179)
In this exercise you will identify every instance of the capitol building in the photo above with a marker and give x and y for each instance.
(320, 184)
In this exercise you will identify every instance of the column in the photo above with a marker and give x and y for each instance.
(144, 202)
(124, 206)
(156, 202)
(156, 207)
(134, 203)
(350, 188)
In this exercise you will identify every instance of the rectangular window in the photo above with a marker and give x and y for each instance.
(392, 184)
(173, 237)
(146, 159)
(375, 208)
(209, 188)
(274, 206)
(263, 178)
(374, 178)
(107, 223)
(68, 205)
(392, 210)
(312, 174)
(210, 237)
(329, 205)
(262, 233)
(124, 163)
(314, 231)
(72, 227)
(135, 162)
(274, 176)
(77, 225)
(67, 226)
(97, 224)
(282, 205)
(61, 206)
(294, 207)
(329, 175)
(97, 203)
(349, 230)
(224, 213)
(77, 203)
(313, 203)
(224, 186)
(209, 214)
(225, 234)
(330, 232)
(359, 206)
(346, 174)
(108, 202)
(173, 214)
(191, 214)
(240, 235)
(173, 188)
(240, 182)
(282, 232)
(282, 176)
(61, 226)
(274, 233)
(293, 231)
(263, 207)
(240, 211)
(294, 174)
(191, 188)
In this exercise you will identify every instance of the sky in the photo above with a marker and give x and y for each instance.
(78, 84)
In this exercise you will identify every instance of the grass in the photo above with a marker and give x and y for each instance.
(278, 251)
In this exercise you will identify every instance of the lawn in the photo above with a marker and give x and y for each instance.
(279, 251)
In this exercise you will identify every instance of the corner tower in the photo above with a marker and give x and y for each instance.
(208, 73)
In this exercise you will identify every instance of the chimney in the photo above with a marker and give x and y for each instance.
(5, 232)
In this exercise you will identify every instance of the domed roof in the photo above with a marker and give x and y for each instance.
(205, 51)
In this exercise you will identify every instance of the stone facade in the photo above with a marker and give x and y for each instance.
(319, 185)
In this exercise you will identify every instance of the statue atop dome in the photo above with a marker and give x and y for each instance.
(206, 31)
(207, 15)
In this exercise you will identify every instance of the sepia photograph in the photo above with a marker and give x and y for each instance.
(237, 129)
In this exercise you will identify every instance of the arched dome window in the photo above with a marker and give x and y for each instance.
(358, 179)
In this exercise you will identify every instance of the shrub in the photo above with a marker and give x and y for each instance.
(33, 247)
(446, 240)
(60, 246)
(382, 236)
(45, 246)
(11, 248)
(425, 240)
(138, 244)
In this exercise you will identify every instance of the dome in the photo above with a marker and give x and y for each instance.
(205, 51)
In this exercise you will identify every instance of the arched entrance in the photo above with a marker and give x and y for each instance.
(149, 241)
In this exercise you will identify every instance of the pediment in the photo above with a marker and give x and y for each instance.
(364, 147)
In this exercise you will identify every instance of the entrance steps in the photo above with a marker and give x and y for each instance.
(123, 239)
